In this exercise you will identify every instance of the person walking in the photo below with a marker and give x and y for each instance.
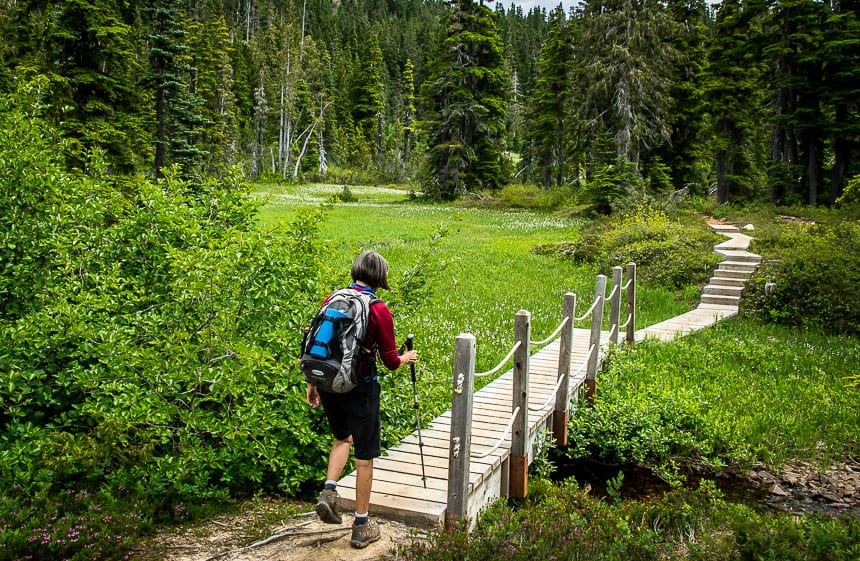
(354, 417)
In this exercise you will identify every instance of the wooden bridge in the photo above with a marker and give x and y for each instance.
(480, 449)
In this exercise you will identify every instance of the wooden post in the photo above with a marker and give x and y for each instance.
(562, 398)
(596, 325)
(518, 485)
(615, 305)
(461, 430)
(631, 303)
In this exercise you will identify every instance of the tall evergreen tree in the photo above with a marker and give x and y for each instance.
(549, 102)
(368, 108)
(624, 63)
(687, 152)
(212, 81)
(83, 48)
(466, 92)
(735, 98)
(841, 92)
(178, 122)
(795, 55)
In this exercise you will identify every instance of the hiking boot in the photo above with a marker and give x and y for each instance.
(364, 534)
(327, 507)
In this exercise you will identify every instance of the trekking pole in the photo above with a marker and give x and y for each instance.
(408, 346)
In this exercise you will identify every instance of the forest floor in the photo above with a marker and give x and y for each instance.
(798, 489)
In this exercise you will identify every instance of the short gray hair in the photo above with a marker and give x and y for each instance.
(372, 269)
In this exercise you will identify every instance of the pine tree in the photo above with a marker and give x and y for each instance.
(368, 108)
(467, 93)
(624, 61)
(212, 81)
(842, 91)
(794, 52)
(178, 122)
(687, 152)
(549, 101)
(83, 48)
(734, 94)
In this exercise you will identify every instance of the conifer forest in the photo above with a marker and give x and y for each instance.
(747, 100)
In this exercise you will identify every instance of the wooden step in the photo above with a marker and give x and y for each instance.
(723, 290)
(720, 300)
(738, 281)
(740, 266)
(726, 274)
(740, 256)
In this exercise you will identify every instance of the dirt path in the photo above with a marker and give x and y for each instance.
(299, 538)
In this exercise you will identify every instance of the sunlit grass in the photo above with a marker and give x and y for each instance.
(737, 393)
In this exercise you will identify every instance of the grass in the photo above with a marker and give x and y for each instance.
(739, 393)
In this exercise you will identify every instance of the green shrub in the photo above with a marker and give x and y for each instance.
(667, 251)
(148, 344)
(566, 522)
(812, 278)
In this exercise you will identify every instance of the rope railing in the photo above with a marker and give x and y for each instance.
(590, 310)
(518, 434)
(553, 335)
(551, 396)
(612, 294)
(502, 438)
(612, 332)
(504, 361)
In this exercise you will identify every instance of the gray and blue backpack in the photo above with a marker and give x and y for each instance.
(332, 347)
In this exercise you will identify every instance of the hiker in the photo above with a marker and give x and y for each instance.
(354, 416)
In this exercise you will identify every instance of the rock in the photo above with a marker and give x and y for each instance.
(779, 491)
(749, 227)
(766, 477)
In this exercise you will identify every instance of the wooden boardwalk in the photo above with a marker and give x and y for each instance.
(398, 489)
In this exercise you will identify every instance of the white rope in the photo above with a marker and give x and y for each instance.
(612, 332)
(551, 396)
(611, 294)
(588, 313)
(554, 333)
(626, 323)
(627, 284)
(504, 360)
(503, 437)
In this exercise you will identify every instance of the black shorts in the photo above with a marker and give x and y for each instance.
(356, 414)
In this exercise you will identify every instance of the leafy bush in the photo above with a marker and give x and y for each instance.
(813, 278)
(667, 252)
(148, 337)
(567, 523)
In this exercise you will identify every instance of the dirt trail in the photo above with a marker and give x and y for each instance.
(299, 538)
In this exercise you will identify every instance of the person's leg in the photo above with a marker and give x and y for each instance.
(364, 530)
(363, 484)
(338, 457)
(327, 501)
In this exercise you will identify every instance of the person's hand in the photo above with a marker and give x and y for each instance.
(409, 357)
(313, 396)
